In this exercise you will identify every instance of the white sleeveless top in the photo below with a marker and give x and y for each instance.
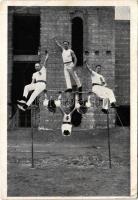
(40, 75)
(66, 55)
(97, 78)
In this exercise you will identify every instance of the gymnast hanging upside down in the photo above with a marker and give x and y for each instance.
(71, 115)
(37, 85)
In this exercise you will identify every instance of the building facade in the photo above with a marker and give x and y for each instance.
(86, 28)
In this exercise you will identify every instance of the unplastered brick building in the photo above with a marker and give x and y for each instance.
(86, 28)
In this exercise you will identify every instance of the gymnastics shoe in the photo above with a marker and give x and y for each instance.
(105, 111)
(22, 101)
(114, 105)
(68, 90)
(22, 107)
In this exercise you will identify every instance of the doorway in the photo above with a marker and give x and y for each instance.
(22, 75)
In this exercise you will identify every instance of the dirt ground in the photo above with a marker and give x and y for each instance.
(68, 166)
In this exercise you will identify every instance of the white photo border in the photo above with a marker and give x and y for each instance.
(133, 4)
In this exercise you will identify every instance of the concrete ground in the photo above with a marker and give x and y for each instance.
(68, 166)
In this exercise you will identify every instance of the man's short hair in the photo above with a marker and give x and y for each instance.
(98, 66)
(37, 64)
(66, 42)
(66, 132)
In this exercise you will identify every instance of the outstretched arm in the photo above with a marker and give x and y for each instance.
(33, 79)
(88, 67)
(46, 58)
(59, 45)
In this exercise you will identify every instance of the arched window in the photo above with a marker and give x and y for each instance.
(77, 39)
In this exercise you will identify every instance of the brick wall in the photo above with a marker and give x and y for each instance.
(100, 37)
(101, 44)
(50, 29)
(122, 62)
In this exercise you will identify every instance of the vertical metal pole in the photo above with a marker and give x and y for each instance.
(32, 137)
(109, 146)
(32, 148)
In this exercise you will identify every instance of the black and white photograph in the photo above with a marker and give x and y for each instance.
(69, 101)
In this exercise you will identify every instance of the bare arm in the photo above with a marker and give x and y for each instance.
(46, 58)
(33, 80)
(103, 81)
(74, 58)
(88, 67)
(59, 45)
(76, 101)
